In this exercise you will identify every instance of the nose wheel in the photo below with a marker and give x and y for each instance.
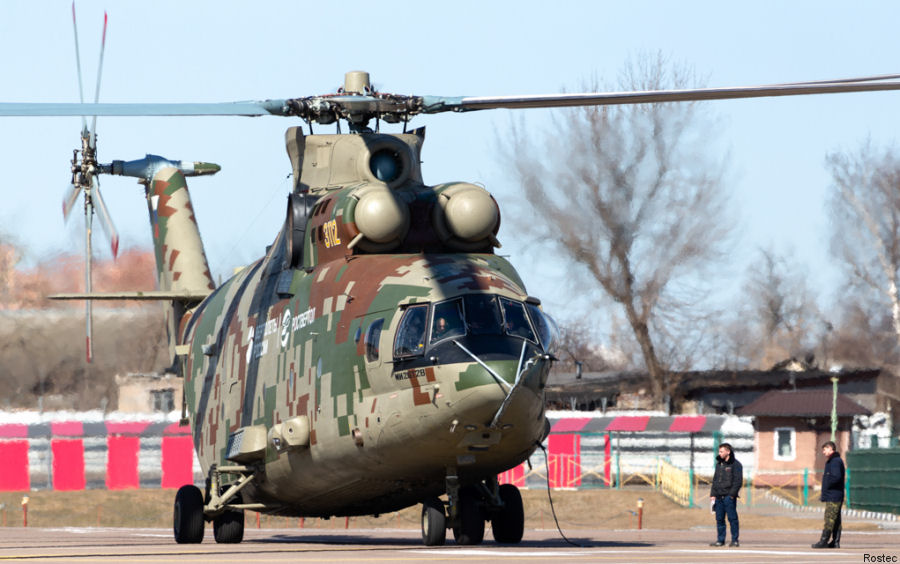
(469, 528)
(434, 522)
(467, 509)
(508, 521)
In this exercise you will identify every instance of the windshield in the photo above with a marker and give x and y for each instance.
(482, 315)
(411, 333)
(473, 315)
(447, 321)
(546, 328)
(515, 320)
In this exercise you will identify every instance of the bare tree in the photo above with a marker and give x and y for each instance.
(577, 347)
(781, 310)
(632, 196)
(864, 335)
(865, 213)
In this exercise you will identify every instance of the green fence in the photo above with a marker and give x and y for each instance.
(874, 479)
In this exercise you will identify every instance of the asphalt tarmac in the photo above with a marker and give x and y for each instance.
(404, 545)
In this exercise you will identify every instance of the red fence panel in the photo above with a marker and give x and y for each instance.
(14, 475)
(565, 460)
(514, 476)
(177, 461)
(68, 464)
(122, 462)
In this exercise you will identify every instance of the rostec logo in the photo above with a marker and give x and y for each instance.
(286, 322)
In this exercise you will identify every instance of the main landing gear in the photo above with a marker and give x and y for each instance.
(468, 508)
(224, 507)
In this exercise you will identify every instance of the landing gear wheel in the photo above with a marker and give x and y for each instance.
(508, 524)
(228, 527)
(188, 515)
(434, 522)
(471, 521)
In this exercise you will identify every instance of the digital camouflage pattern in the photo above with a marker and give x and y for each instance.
(832, 515)
(314, 342)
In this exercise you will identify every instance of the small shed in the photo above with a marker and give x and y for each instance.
(791, 426)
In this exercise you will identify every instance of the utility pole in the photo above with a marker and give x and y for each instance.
(834, 418)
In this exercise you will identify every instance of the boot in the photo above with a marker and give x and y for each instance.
(823, 542)
(836, 539)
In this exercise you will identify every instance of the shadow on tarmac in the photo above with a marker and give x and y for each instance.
(367, 540)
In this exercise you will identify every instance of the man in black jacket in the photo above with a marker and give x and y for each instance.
(833, 496)
(726, 485)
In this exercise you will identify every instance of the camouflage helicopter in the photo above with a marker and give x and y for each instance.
(380, 355)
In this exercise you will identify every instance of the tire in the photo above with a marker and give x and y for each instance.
(187, 518)
(434, 522)
(229, 527)
(508, 524)
(471, 520)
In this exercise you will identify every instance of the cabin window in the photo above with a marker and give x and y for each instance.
(515, 320)
(447, 321)
(411, 333)
(785, 443)
(483, 315)
(546, 328)
(373, 336)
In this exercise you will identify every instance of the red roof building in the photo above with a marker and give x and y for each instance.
(791, 427)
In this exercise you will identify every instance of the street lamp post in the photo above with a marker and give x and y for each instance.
(834, 418)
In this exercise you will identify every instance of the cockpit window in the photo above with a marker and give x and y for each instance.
(516, 320)
(411, 333)
(373, 336)
(447, 321)
(546, 328)
(483, 315)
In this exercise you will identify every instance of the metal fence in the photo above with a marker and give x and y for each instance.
(874, 479)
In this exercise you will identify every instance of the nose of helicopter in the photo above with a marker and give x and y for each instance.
(493, 411)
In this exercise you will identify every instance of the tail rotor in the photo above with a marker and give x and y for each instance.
(85, 171)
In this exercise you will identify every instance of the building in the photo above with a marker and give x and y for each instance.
(720, 391)
(791, 426)
(148, 393)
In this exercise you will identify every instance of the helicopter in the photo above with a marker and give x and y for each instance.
(380, 354)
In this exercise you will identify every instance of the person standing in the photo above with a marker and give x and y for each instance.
(833, 496)
(726, 485)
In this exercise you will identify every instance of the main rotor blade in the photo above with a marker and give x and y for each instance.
(873, 78)
(436, 104)
(78, 66)
(69, 200)
(105, 219)
(249, 109)
(328, 107)
(93, 143)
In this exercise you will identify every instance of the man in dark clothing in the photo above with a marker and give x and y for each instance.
(833, 496)
(726, 484)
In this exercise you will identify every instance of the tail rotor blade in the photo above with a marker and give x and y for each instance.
(99, 75)
(106, 220)
(69, 200)
(78, 67)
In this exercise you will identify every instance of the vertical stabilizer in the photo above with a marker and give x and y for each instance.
(181, 264)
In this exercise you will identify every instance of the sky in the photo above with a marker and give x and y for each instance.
(166, 51)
